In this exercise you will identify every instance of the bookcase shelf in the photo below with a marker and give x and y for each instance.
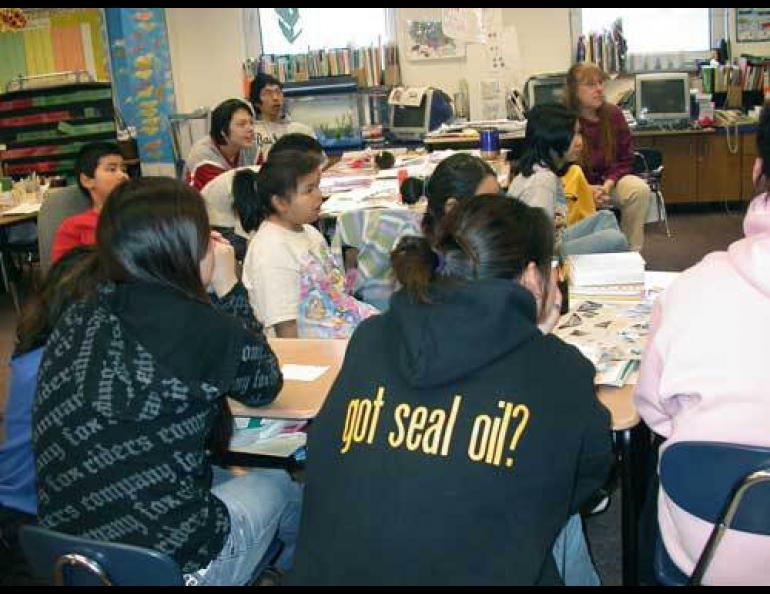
(42, 129)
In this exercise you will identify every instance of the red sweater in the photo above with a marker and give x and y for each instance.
(79, 229)
(598, 171)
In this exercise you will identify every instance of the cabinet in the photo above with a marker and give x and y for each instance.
(748, 155)
(43, 129)
(701, 166)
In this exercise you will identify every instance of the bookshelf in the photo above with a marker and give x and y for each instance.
(369, 66)
(43, 129)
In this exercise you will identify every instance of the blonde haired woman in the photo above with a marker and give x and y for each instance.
(608, 152)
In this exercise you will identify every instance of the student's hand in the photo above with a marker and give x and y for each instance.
(601, 198)
(223, 277)
(551, 311)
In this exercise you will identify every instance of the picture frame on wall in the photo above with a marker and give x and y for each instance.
(426, 40)
(752, 25)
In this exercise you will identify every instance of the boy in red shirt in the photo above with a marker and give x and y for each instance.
(99, 169)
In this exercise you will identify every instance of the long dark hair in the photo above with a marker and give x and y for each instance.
(253, 192)
(72, 278)
(455, 177)
(550, 130)
(156, 230)
(485, 236)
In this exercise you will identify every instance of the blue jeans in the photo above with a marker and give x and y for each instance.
(570, 551)
(261, 502)
(597, 234)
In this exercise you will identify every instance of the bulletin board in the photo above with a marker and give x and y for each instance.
(752, 24)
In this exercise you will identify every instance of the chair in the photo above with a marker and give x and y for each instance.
(648, 165)
(66, 560)
(724, 484)
(186, 129)
(57, 206)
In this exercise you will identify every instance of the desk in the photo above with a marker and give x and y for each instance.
(300, 400)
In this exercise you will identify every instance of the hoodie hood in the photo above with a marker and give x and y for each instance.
(751, 256)
(466, 327)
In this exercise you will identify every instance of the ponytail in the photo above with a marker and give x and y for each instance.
(246, 201)
(415, 265)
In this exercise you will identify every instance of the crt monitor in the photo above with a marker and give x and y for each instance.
(545, 89)
(663, 97)
(412, 123)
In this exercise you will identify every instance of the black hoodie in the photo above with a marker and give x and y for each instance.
(453, 447)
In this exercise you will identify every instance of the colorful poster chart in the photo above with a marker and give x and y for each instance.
(141, 65)
(752, 24)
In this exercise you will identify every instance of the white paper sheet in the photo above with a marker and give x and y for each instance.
(303, 373)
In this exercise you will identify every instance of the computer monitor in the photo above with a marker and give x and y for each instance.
(546, 89)
(412, 123)
(663, 97)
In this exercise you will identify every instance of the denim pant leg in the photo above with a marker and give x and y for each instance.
(261, 502)
(570, 551)
(597, 234)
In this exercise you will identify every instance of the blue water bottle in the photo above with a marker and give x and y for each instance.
(490, 144)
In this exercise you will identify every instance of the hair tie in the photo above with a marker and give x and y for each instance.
(440, 264)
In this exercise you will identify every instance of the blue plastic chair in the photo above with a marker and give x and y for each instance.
(66, 560)
(727, 485)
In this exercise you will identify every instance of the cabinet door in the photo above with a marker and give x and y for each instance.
(719, 169)
(748, 155)
(679, 168)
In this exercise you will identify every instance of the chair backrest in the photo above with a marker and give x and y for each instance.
(63, 559)
(57, 206)
(186, 129)
(647, 159)
(699, 477)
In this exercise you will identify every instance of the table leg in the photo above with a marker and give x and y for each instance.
(632, 446)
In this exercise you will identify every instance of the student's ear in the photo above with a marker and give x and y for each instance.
(279, 204)
(532, 280)
(86, 182)
(449, 205)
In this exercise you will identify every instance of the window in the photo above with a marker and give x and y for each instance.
(297, 30)
(655, 30)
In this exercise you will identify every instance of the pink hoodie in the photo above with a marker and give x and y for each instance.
(705, 376)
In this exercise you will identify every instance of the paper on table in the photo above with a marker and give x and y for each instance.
(26, 208)
(303, 373)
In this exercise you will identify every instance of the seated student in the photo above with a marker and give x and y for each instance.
(287, 258)
(448, 451)
(120, 442)
(72, 278)
(230, 144)
(704, 375)
(99, 168)
(218, 193)
(363, 240)
(266, 95)
(551, 144)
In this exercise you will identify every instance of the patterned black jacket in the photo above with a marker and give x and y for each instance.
(129, 388)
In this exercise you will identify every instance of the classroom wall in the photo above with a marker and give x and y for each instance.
(207, 50)
(543, 46)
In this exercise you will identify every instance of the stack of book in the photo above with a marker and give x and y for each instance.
(606, 276)
(267, 437)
